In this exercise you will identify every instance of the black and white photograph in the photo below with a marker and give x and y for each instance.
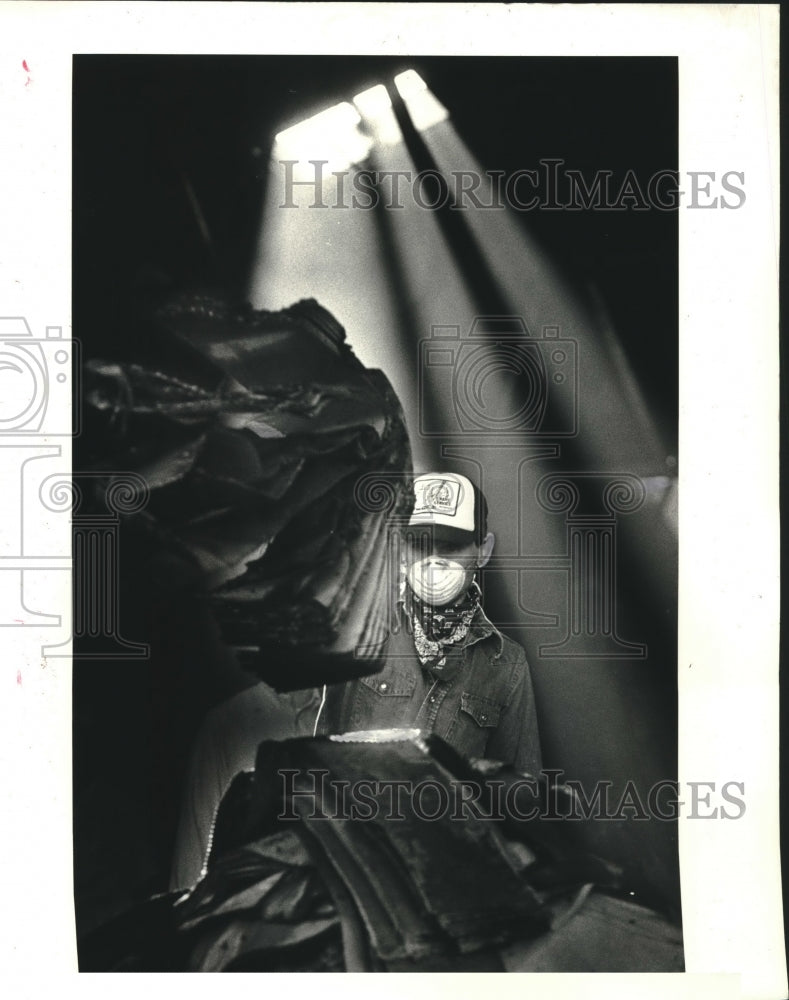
(377, 507)
(367, 368)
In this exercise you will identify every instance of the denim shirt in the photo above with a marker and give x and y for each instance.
(480, 702)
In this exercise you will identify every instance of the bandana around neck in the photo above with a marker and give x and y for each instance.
(435, 628)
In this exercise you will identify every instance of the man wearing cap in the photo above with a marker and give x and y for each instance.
(448, 670)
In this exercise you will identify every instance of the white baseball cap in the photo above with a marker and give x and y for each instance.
(446, 500)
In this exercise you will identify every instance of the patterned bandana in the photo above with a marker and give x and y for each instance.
(435, 628)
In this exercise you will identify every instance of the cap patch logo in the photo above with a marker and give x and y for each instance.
(438, 496)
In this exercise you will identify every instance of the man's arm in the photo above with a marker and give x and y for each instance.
(517, 739)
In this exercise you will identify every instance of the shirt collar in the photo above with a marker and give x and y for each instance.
(480, 627)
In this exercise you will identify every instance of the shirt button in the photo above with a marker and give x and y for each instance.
(483, 718)
(383, 686)
(432, 698)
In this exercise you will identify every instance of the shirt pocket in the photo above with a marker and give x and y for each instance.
(383, 701)
(390, 685)
(474, 724)
(483, 711)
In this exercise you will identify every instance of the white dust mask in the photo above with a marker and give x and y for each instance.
(438, 581)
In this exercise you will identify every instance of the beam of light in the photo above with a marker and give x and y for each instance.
(615, 428)
(614, 422)
(442, 305)
(337, 253)
(334, 253)
(326, 253)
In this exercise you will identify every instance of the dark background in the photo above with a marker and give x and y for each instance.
(148, 128)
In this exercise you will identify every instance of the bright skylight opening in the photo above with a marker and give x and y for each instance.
(332, 135)
(338, 135)
(376, 108)
(423, 107)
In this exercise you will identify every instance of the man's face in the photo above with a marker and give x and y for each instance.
(439, 571)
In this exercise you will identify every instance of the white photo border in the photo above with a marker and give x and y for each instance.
(729, 534)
